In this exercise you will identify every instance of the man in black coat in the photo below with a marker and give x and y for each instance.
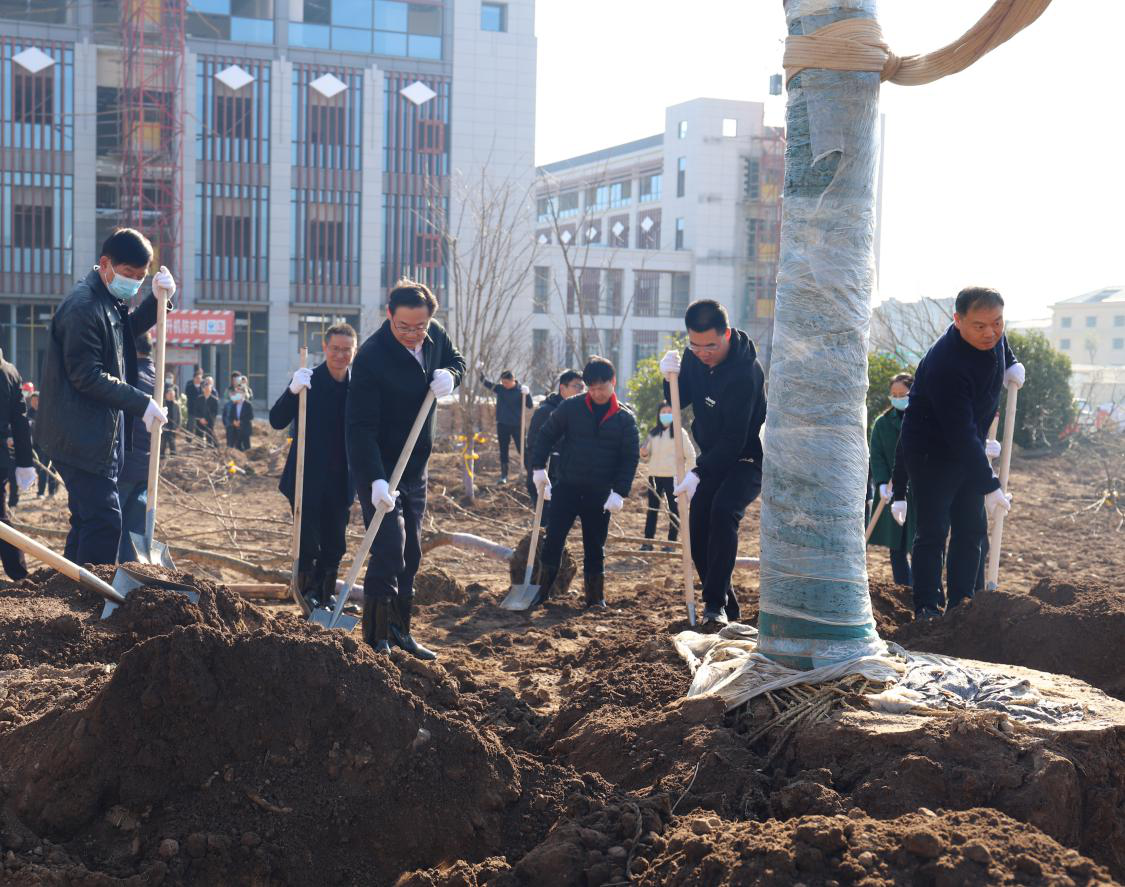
(511, 398)
(90, 398)
(570, 384)
(599, 450)
(238, 419)
(327, 491)
(956, 393)
(132, 482)
(408, 355)
(193, 388)
(13, 424)
(204, 411)
(722, 380)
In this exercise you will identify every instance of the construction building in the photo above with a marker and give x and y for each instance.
(288, 158)
(629, 235)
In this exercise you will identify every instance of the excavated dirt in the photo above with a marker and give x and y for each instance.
(517, 566)
(435, 585)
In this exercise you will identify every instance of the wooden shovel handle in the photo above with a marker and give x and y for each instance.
(685, 503)
(299, 489)
(52, 559)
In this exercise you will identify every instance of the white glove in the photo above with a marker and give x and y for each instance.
(302, 378)
(898, 512)
(1015, 373)
(670, 363)
(886, 491)
(524, 390)
(542, 484)
(997, 502)
(155, 415)
(992, 448)
(25, 477)
(613, 503)
(381, 495)
(442, 383)
(163, 284)
(690, 481)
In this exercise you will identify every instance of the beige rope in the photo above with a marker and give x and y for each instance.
(857, 44)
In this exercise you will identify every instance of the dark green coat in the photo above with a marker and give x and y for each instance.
(884, 440)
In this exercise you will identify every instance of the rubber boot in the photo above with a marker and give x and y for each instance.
(309, 589)
(400, 630)
(376, 623)
(327, 586)
(547, 576)
(594, 586)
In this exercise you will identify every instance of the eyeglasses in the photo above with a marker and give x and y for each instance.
(341, 350)
(703, 349)
(407, 330)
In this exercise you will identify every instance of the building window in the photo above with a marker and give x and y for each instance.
(230, 235)
(650, 187)
(751, 179)
(232, 114)
(620, 194)
(325, 236)
(542, 296)
(592, 233)
(431, 137)
(1118, 344)
(597, 198)
(679, 233)
(1065, 323)
(681, 130)
(646, 293)
(568, 204)
(681, 293)
(427, 250)
(646, 344)
(385, 26)
(32, 218)
(494, 16)
(243, 21)
(543, 236)
(1091, 321)
(1119, 320)
(232, 238)
(614, 291)
(543, 209)
(1064, 344)
(619, 232)
(33, 96)
(648, 230)
(730, 127)
(681, 176)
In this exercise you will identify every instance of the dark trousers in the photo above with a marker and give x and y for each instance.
(168, 442)
(900, 567)
(134, 502)
(324, 526)
(95, 516)
(13, 487)
(946, 505)
(47, 480)
(716, 511)
(568, 502)
(397, 549)
(15, 564)
(504, 435)
(662, 487)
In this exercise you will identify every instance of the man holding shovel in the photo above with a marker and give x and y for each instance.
(14, 424)
(511, 399)
(409, 355)
(720, 376)
(326, 500)
(90, 393)
(955, 394)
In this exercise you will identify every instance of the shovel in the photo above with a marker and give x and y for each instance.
(521, 596)
(685, 503)
(337, 618)
(992, 575)
(68, 568)
(875, 519)
(147, 549)
(299, 490)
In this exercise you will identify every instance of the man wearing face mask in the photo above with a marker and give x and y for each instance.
(90, 393)
(238, 419)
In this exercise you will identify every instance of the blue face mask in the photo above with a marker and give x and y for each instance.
(665, 418)
(123, 288)
(900, 403)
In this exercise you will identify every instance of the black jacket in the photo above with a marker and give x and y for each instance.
(239, 437)
(174, 417)
(89, 376)
(592, 454)
(955, 394)
(386, 391)
(204, 408)
(326, 457)
(729, 402)
(507, 402)
(13, 417)
(135, 468)
(538, 419)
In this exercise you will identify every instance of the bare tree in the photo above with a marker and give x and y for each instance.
(906, 330)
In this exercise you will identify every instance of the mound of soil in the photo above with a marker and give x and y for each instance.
(434, 585)
(891, 605)
(517, 566)
(1075, 630)
(293, 755)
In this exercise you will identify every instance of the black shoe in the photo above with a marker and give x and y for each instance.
(376, 623)
(400, 629)
(927, 614)
(324, 589)
(646, 547)
(547, 576)
(732, 609)
(308, 588)
(503, 479)
(594, 586)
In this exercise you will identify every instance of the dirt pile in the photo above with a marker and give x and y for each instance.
(517, 566)
(1057, 627)
(433, 585)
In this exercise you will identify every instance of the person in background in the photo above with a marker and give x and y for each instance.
(13, 423)
(889, 531)
(132, 482)
(172, 404)
(238, 419)
(203, 412)
(659, 451)
(48, 485)
(570, 385)
(194, 388)
(511, 397)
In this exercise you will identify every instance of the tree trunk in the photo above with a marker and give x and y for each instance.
(815, 606)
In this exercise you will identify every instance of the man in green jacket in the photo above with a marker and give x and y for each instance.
(889, 532)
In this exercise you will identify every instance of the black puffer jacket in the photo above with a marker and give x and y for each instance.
(89, 376)
(13, 417)
(538, 420)
(592, 454)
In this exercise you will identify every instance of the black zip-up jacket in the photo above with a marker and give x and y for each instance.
(89, 376)
(538, 419)
(326, 457)
(204, 408)
(387, 389)
(591, 453)
(955, 394)
(729, 402)
(507, 402)
(13, 417)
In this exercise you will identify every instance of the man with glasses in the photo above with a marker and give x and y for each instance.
(327, 495)
(720, 376)
(407, 355)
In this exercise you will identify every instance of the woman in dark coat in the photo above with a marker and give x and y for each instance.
(884, 440)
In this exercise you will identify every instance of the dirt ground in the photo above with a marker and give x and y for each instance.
(229, 742)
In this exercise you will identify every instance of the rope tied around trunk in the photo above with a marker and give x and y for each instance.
(857, 44)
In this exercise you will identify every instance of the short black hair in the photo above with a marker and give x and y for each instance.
(597, 370)
(903, 378)
(507, 374)
(128, 246)
(144, 344)
(706, 314)
(198, 371)
(568, 376)
(977, 297)
(340, 329)
(409, 293)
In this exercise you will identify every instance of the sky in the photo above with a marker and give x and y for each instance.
(1010, 174)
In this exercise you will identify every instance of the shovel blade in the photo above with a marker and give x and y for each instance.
(125, 580)
(323, 618)
(151, 552)
(520, 597)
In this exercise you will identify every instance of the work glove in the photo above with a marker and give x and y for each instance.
(524, 390)
(670, 363)
(886, 491)
(1015, 373)
(542, 484)
(997, 502)
(163, 284)
(992, 448)
(898, 511)
(442, 383)
(381, 495)
(302, 378)
(155, 415)
(691, 479)
(613, 503)
(25, 477)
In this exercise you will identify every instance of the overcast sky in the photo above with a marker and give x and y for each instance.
(1010, 174)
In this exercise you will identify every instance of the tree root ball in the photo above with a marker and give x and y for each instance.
(434, 585)
(568, 567)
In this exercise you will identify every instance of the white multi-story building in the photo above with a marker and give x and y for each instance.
(1090, 328)
(629, 235)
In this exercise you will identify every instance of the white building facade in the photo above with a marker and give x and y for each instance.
(1090, 328)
